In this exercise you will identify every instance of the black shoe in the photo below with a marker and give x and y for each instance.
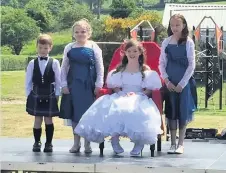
(48, 148)
(37, 147)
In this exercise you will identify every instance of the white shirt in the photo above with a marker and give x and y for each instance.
(42, 66)
(190, 47)
(98, 58)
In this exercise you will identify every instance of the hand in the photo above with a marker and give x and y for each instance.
(116, 90)
(97, 90)
(170, 86)
(178, 89)
(166, 80)
(65, 90)
(130, 94)
(147, 92)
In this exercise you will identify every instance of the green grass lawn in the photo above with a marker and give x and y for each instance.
(213, 103)
(17, 123)
(13, 83)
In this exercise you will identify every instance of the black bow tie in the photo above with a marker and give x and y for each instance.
(43, 58)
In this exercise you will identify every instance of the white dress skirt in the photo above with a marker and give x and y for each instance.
(135, 116)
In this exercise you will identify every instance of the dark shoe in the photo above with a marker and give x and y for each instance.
(37, 147)
(48, 148)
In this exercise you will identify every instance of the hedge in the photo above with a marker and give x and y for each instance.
(13, 62)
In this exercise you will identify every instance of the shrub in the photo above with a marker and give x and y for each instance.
(98, 30)
(116, 29)
(17, 30)
(13, 62)
(38, 11)
(122, 8)
(69, 14)
(108, 51)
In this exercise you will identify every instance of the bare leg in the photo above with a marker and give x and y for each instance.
(87, 146)
(180, 147)
(38, 122)
(182, 132)
(77, 144)
(173, 133)
(48, 120)
(115, 144)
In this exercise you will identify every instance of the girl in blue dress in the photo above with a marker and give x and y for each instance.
(177, 64)
(81, 78)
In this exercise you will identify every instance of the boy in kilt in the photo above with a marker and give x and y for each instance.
(42, 91)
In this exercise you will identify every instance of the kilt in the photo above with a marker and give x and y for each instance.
(42, 102)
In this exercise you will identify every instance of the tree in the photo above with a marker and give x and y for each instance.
(161, 1)
(6, 10)
(11, 3)
(69, 14)
(55, 6)
(97, 4)
(14, 3)
(38, 11)
(122, 8)
(93, 3)
(17, 30)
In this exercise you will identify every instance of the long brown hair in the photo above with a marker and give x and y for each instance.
(141, 59)
(185, 31)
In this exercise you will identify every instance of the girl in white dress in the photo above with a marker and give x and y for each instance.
(129, 111)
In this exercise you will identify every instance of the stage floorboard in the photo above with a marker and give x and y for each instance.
(199, 157)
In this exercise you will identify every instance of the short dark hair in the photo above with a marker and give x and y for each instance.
(45, 39)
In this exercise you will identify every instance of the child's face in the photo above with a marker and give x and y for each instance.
(176, 25)
(81, 34)
(133, 53)
(43, 49)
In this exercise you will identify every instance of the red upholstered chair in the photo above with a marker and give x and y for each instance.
(153, 53)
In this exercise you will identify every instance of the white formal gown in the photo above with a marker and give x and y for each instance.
(136, 116)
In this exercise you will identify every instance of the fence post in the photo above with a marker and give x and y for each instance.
(141, 33)
(193, 34)
(128, 33)
(221, 74)
(207, 66)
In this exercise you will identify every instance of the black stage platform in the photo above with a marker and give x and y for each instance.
(199, 157)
